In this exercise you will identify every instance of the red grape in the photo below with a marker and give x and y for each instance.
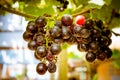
(80, 20)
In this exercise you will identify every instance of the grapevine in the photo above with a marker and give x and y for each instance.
(90, 36)
(78, 27)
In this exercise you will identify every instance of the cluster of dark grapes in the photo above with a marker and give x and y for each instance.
(37, 36)
(91, 37)
(64, 5)
(94, 39)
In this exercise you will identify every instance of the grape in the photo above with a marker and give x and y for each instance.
(36, 56)
(82, 47)
(79, 39)
(41, 68)
(99, 24)
(27, 36)
(40, 40)
(108, 52)
(101, 56)
(32, 45)
(85, 33)
(41, 51)
(67, 20)
(66, 32)
(77, 30)
(58, 40)
(71, 40)
(89, 23)
(94, 46)
(80, 20)
(66, 2)
(61, 9)
(55, 48)
(51, 67)
(90, 57)
(55, 32)
(106, 32)
(105, 41)
(50, 56)
(86, 40)
(40, 22)
(96, 33)
(58, 23)
(31, 27)
(64, 6)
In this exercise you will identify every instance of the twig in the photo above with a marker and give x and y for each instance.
(111, 18)
(82, 12)
(116, 34)
(75, 3)
(17, 12)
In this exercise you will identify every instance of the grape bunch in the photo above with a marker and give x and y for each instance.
(64, 5)
(39, 41)
(90, 36)
(94, 39)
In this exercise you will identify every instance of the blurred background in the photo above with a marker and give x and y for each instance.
(17, 62)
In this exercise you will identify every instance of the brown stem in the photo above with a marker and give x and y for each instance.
(111, 18)
(17, 12)
(82, 12)
(116, 34)
(75, 2)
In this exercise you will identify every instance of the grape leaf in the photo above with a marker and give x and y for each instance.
(33, 10)
(79, 2)
(21, 6)
(92, 5)
(104, 13)
(115, 4)
(107, 2)
(115, 23)
(116, 55)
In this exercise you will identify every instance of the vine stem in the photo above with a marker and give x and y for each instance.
(116, 34)
(11, 10)
(83, 12)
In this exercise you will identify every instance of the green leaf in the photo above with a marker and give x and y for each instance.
(83, 2)
(115, 4)
(115, 23)
(104, 13)
(116, 53)
(116, 64)
(116, 56)
(21, 6)
(92, 5)
(107, 2)
(95, 77)
(34, 10)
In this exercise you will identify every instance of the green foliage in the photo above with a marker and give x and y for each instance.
(115, 4)
(116, 57)
(115, 23)
(108, 2)
(41, 7)
(95, 77)
(104, 13)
